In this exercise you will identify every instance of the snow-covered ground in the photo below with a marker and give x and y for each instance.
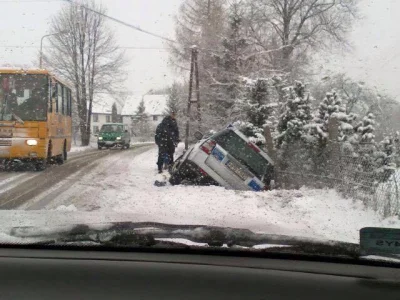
(75, 149)
(93, 145)
(124, 184)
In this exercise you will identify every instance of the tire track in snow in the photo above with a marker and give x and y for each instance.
(49, 196)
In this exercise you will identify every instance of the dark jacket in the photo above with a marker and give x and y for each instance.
(167, 133)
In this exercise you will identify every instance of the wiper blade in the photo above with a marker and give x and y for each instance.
(150, 234)
(18, 119)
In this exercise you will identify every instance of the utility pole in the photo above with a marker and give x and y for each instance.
(194, 72)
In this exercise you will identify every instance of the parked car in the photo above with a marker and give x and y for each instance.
(113, 135)
(227, 158)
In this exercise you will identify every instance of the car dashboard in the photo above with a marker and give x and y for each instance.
(79, 274)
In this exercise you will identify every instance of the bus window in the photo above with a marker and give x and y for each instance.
(65, 101)
(59, 98)
(51, 89)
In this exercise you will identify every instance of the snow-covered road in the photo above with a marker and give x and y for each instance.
(124, 184)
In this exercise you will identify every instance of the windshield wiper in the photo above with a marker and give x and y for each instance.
(149, 234)
(18, 119)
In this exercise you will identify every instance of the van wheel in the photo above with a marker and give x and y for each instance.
(128, 145)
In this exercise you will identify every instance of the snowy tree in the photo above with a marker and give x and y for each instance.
(297, 115)
(367, 148)
(295, 27)
(114, 113)
(174, 100)
(330, 105)
(366, 129)
(85, 53)
(386, 158)
(230, 64)
(260, 106)
(140, 121)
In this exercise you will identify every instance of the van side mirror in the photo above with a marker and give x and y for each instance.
(198, 135)
(126, 131)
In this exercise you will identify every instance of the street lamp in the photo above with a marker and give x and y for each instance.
(41, 45)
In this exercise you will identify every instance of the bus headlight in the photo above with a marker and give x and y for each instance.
(31, 142)
(118, 137)
(100, 138)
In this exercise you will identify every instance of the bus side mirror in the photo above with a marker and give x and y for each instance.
(126, 131)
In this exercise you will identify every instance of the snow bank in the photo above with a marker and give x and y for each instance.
(67, 208)
(126, 185)
(75, 149)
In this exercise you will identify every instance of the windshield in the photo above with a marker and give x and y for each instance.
(23, 96)
(169, 126)
(112, 128)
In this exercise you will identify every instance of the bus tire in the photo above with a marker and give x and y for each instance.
(49, 153)
(41, 165)
(59, 159)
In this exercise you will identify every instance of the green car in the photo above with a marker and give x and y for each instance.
(114, 135)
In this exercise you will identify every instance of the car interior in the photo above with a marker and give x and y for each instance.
(71, 273)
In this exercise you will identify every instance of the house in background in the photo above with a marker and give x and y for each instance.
(155, 106)
(102, 113)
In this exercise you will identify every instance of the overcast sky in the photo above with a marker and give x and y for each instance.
(375, 57)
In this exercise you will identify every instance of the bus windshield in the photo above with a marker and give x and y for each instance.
(23, 96)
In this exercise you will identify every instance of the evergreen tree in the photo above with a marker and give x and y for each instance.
(297, 114)
(259, 110)
(386, 158)
(114, 113)
(173, 102)
(140, 121)
(367, 148)
(259, 107)
(332, 104)
(227, 87)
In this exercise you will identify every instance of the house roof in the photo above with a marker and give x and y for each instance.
(154, 104)
(102, 104)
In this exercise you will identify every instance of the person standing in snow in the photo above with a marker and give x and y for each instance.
(167, 138)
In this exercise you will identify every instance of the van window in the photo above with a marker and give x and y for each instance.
(239, 149)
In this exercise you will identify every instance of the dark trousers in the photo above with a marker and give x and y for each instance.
(165, 155)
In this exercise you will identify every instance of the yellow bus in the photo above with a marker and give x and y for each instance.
(35, 118)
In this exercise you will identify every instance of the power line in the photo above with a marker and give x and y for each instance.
(121, 47)
(28, 1)
(123, 22)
